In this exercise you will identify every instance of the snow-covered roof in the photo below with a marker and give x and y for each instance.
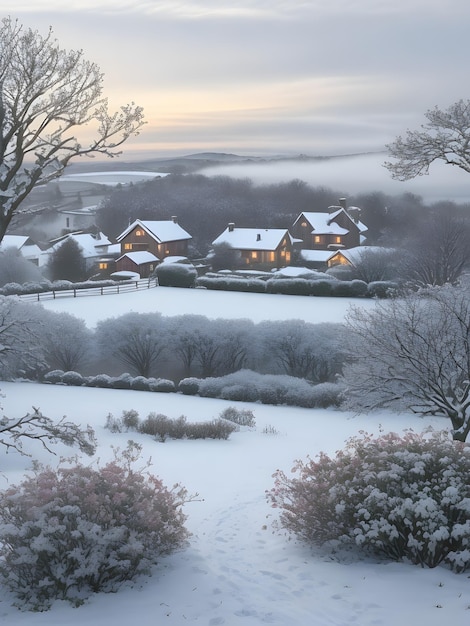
(161, 230)
(252, 238)
(91, 245)
(140, 257)
(354, 255)
(323, 224)
(13, 241)
(297, 272)
(315, 256)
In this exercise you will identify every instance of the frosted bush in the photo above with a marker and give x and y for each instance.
(241, 417)
(72, 531)
(405, 498)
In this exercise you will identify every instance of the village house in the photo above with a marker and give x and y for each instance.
(354, 256)
(26, 246)
(93, 247)
(140, 262)
(259, 247)
(333, 230)
(162, 238)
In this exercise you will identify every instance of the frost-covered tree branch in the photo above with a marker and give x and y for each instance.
(47, 96)
(37, 427)
(445, 136)
(413, 353)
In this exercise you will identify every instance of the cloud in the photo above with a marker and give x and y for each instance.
(316, 76)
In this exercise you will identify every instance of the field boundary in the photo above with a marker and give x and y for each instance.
(125, 287)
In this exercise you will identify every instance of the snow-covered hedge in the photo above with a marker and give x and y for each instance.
(249, 386)
(47, 285)
(124, 381)
(404, 498)
(228, 283)
(176, 275)
(68, 532)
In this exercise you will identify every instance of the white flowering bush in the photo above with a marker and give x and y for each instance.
(403, 497)
(71, 531)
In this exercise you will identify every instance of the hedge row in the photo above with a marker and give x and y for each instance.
(242, 386)
(302, 287)
(125, 381)
(12, 289)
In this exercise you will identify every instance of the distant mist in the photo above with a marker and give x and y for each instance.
(352, 175)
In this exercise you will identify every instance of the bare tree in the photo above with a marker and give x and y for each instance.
(413, 353)
(136, 340)
(445, 137)
(47, 96)
(438, 252)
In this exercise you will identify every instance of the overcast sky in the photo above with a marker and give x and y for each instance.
(268, 76)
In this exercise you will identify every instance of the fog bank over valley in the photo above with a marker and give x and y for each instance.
(352, 174)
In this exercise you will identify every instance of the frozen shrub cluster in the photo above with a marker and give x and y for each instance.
(176, 275)
(124, 381)
(162, 427)
(68, 532)
(241, 417)
(46, 285)
(404, 498)
(228, 283)
(249, 386)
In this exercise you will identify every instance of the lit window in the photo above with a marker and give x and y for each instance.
(103, 266)
(283, 252)
(254, 254)
(317, 239)
(304, 224)
(338, 240)
(272, 256)
(139, 233)
(127, 246)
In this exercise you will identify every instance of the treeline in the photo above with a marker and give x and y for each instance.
(36, 341)
(204, 206)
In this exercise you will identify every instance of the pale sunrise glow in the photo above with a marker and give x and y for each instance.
(296, 77)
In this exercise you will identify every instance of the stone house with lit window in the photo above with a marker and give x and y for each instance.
(259, 247)
(333, 230)
(161, 238)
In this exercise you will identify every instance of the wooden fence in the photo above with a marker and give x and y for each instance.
(124, 287)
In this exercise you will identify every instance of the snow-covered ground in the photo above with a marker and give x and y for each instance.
(236, 570)
(171, 301)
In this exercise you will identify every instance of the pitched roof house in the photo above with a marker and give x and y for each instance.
(354, 256)
(141, 262)
(161, 238)
(93, 247)
(332, 230)
(270, 247)
(26, 246)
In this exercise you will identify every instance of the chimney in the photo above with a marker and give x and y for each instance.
(174, 219)
(258, 237)
(231, 226)
(342, 203)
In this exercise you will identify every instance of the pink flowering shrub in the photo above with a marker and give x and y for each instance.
(71, 531)
(405, 498)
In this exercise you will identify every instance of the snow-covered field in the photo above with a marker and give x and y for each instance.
(236, 570)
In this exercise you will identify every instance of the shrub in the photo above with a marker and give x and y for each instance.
(54, 377)
(405, 498)
(176, 275)
(100, 380)
(242, 417)
(162, 385)
(381, 289)
(189, 386)
(130, 419)
(122, 382)
(73, 378)
(72, 531)
(140, 383)
(216, 429)
(239, 393)
(162, 427)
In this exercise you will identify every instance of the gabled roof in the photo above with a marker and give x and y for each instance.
(161, 230)
(323, 223)
(253, 238)
(91, 245)
(140, 257)
(14, 241)
(354, 255)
